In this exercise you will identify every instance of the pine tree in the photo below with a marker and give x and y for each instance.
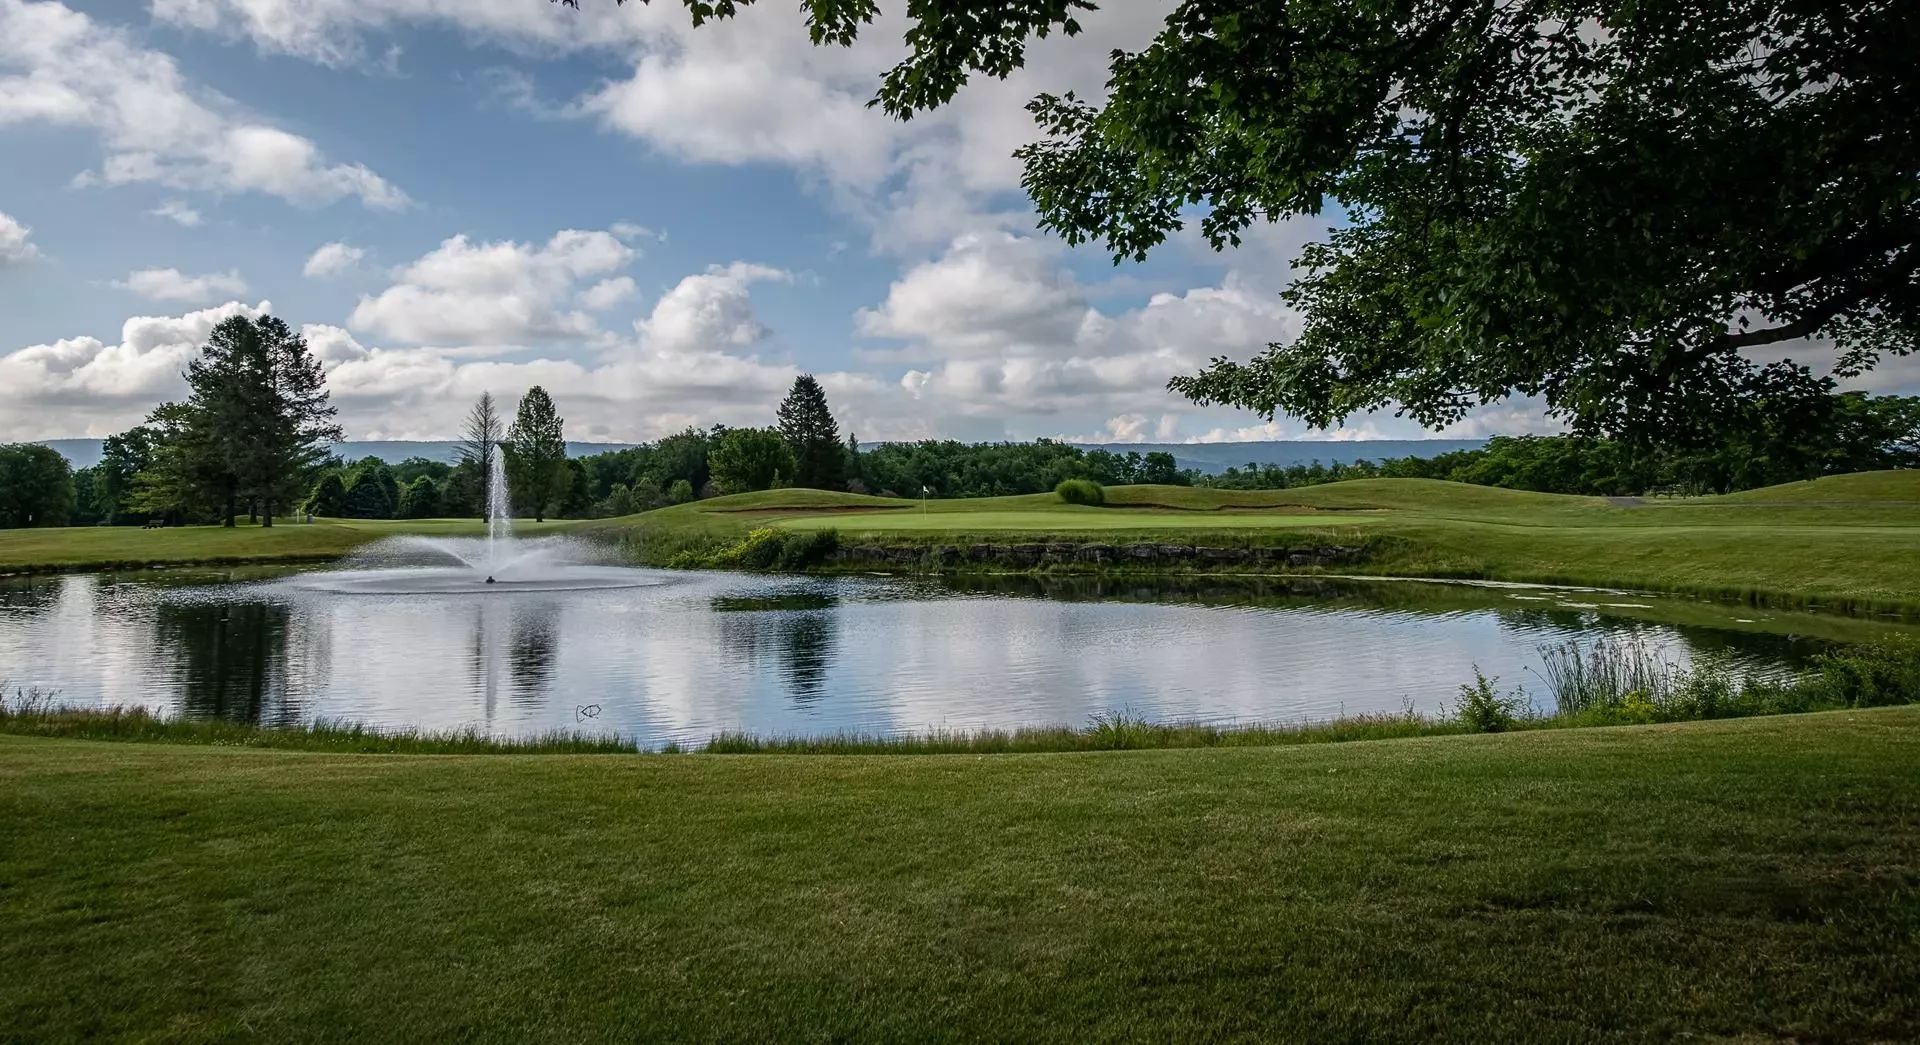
(480, 439)
(809, 429)
(256, 420)
(537, 454)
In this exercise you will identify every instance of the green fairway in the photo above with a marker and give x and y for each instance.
(1847, 542)
(102, 547)
(1739, 880)
(1069, 518)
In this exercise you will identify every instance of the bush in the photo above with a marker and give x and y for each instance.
(1081, 491)
(1484, 710)
(771, 549)
(1869, 676)
(680, 492)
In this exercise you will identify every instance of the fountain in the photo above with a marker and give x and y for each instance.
(497, 562)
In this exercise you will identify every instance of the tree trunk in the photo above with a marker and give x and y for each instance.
(253, 511)
(266, 516)
(232, 507)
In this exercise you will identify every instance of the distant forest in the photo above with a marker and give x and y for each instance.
(254, 438)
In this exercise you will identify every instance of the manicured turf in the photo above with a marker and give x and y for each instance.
(1746, 880)
(1070, 519)
(122, 546)
(1856, 545)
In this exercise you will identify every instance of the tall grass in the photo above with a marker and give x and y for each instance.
(35, 713)
(1582, 677)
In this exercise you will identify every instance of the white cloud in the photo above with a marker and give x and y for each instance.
(178, 212)
(709, 311)
(1009, 337)
(607, 293)
(332, 259)
(491, 294)
(16, 243)
(69, 71)
(83, 386)
(171, 284)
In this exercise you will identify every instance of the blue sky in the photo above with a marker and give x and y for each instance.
(660, 225)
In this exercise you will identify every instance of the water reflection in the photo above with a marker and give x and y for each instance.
(703, 653)
(797, 629)
(231, 658)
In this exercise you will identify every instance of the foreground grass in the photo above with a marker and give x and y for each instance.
(1755, 879)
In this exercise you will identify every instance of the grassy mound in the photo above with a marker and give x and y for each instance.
(1899, 487)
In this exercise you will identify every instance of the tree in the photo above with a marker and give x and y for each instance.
(480, 438)
(36, 486)
(809, 429)
(329, 497)
(186, 475)
(420, 499)
(1600, 203)
(537, 454)
(372, 492)
(122, 458)
(257, 418)
(681, 456)
(751, 459)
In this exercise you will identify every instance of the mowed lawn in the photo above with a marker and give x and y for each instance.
(1849, 541)
(1752, 880)
(104, 547)
(1070, 518)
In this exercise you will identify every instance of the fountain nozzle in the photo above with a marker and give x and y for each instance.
(489, 580)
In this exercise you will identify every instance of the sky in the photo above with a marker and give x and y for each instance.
(660, 225)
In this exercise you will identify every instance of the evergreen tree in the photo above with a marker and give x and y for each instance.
(258, 420)
(809, 429)
(329, 497)
(373, 494)
(537, 454)
(480, 438)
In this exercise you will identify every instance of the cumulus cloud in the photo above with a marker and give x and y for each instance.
(713, 310)
(171, 284)
(178, 212)
(67, 70)
(16, 243)
(1007, 333)
(748, 89)
(332, 259)
(607, 293)
(84, 386)
(492, 294)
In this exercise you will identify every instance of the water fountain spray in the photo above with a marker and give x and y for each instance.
(499, 511)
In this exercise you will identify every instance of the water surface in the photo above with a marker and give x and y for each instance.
(680, 656)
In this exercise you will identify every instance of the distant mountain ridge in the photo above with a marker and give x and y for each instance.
(1211, 458)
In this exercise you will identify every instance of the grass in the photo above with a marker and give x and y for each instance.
(1849, 543)
(127, 547)
(1746, 880)
(1854, 547)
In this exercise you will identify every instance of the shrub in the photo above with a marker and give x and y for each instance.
(680, 492)
(1869, 676)
(1483, 710)
(1081, 491)
(771, 549)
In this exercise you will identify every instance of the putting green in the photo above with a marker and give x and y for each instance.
(1059, 519)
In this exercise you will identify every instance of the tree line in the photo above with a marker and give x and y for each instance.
(252, 438)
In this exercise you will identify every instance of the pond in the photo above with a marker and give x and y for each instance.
(680, 656)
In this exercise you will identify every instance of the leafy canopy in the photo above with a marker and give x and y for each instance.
(1608, 204)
